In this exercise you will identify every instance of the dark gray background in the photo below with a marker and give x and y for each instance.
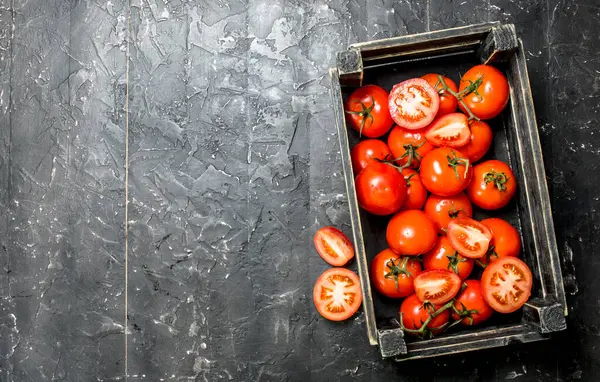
(234, 165)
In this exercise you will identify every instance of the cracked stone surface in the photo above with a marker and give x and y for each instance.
(234, 164)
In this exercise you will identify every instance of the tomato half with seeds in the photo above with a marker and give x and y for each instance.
(392, 275)
(337, 294)
(485, 91)
(506, 284)
(367, 111)
(472, 308)
(450, 130)
(448, 102)
(469, 237)
(444, 257)
(408, 146)
(333, 246)
(413, 103)
(414, 314)
(416, 194)
(506, 240)
(445, 171)
(493, 185)
(442, 209)
(437, 286)
(368, 152)
(380, 189)
(480, 141)
(411, 233)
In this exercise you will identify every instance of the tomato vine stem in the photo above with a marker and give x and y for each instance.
(458, 96)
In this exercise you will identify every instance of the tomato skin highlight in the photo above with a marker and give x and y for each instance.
(333, 246)
(380, 189)
(399, 137)
(367, 152)
(428, 287)
(416, 194)
(448, 102)
(506, 240)
(442, 209)
(438, 174)
(493, 185)
(479, 142)
(450, 130)
(492, 93)
(378, 122)
(444, 257)
(469, 237)
(347, 284)
(384, 271)
(413, 103)
(411, 233)
(413, 314)
(506, 284)
(471, 298)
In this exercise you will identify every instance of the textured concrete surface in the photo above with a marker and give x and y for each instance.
(234, 164)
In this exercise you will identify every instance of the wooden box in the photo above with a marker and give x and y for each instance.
(516, 140)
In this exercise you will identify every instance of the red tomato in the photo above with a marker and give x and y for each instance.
(380, 189)
(411, 233)
(416, 194)
(368, 111)
(413, 103)
(471, 304)
(367, 152)
(413, 315)
(442, 209)
(450, 130)
(408, 145)
(333, 246)
(337, 294)
(487, 93)
(392, 275)
(480, 141)
(493, 185)
(469, 237)
(448, 102)
(444, 257)
(505, 240)
(437, 286)
(506, 284)
(445, 171)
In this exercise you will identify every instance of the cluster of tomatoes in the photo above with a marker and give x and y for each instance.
(426, 177)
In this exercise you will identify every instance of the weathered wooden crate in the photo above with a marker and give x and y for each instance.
(516, 140)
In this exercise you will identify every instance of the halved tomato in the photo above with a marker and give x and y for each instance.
(437, 286)
(413, 103)
(450, 130)
(469, 237)
(337, 294)
(506, 284)
(333, 246)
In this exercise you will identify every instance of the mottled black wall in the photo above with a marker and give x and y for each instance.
(234, 164)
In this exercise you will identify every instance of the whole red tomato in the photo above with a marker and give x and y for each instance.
(411, 232)
(493, 185)
(471, 305)
(408, 145)
(445, 171)
(506, 240)
(416, 194)
(448, 102)
(380, 189)
(485, 91)
(480, 141)
(368, 111)
(442, 209)
(413, 314)
(444, 257)
(392, 275)
(367, 152)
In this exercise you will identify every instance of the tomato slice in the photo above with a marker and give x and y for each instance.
(437, 286)
(333, 246)
(413, 103)
(337, 294)
(450, 130)
(506, 284)
(469, 237)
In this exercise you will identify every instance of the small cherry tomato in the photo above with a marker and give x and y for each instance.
(437, 286)
(411, 233)
(337, 295)
(506, 240)
(368, 111)
(493, 185)
(506, 284)
(408, 145)
(485, 91)
(442, 209)
(380, 189)
(333, 246)
(471, 305)
(416, 194)
(413, 315)
(469, 237)
(448, 102)
(367, 152)
(450, 130)
(392, 275)
(413, 103)
(445, 171)
(444, 257)
(480, 141)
